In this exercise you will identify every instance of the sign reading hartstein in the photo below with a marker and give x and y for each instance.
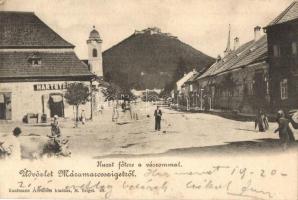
(52, 86)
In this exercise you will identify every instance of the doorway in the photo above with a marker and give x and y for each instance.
(56, 105)
(5, 106)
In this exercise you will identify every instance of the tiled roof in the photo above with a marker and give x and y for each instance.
(57, 64)
(25, 29)
(249, 53)
(290, 13)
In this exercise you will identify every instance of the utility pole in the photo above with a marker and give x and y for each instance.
(202, 98)
(146, 101)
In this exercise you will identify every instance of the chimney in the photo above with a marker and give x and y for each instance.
(257, 31)
(236, 43)
(218, 58)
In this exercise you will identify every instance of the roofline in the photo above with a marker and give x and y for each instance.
(52, 30)
(13, 11)
(263, 61)
(280, 24)
(282, 14)
(243, 66)
(46, 78)
(36, 47)
(230, 56)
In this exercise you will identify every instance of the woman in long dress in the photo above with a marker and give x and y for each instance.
(260, 122)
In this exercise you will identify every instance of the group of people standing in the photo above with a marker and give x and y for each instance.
(128, 109)
(132, 109)
(286, 135)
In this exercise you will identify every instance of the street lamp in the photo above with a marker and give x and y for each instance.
(146, 101)
(187, 103)
(202, 98)
(177, 99)
(197, 97)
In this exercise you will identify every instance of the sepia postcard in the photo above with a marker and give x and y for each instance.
(149, 99)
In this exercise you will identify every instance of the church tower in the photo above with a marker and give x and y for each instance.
(94, 53)
(228, 48)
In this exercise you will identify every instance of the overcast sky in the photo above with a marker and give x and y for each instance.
(199, 23)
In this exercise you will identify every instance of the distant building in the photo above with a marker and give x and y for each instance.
(283, 58)
(36, 66)
(180, 92)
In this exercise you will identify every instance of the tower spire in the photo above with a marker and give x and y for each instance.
(228, 48)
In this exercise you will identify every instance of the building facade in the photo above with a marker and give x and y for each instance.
(36, 67)
(282, 35)
(239, 81)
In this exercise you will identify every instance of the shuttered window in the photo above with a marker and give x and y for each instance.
(284, 89)
(276, 50)
(294, 48)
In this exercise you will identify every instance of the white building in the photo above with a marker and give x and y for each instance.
(36, 66)
(185, 78)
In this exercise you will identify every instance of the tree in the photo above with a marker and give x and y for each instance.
(113, 92)
(77, 94)
(181, 69)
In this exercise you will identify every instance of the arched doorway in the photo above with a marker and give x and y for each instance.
(56, 105)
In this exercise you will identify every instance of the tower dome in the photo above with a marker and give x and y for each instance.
(94, 35)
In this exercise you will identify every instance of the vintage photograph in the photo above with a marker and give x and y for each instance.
(158, 79)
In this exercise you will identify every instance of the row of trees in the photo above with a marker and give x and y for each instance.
(79, 94)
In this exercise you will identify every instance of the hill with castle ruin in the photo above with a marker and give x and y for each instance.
(150, 59)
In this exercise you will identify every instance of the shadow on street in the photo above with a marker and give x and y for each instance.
(254, 147)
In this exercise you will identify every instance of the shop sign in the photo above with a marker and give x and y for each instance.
(48, 86)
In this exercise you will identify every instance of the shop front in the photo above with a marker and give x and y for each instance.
(5, 105)
(18, 99)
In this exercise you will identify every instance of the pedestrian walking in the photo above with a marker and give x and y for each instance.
(55, 128)
(83, 117)
(261, 121)
(134, 111)
(157, 115)
(115, 115)
(285, 132)
(265, 120)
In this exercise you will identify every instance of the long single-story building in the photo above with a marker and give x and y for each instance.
(238, 81)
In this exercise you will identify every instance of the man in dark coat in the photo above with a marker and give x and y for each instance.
(157, 115)
(285, 133)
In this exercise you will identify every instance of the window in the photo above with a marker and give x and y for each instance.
(190, 88)
(94, 53)
(267, 87)
(284, 89)
(250, 88)
(35, 60)
(294, 48)
(276, 50)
